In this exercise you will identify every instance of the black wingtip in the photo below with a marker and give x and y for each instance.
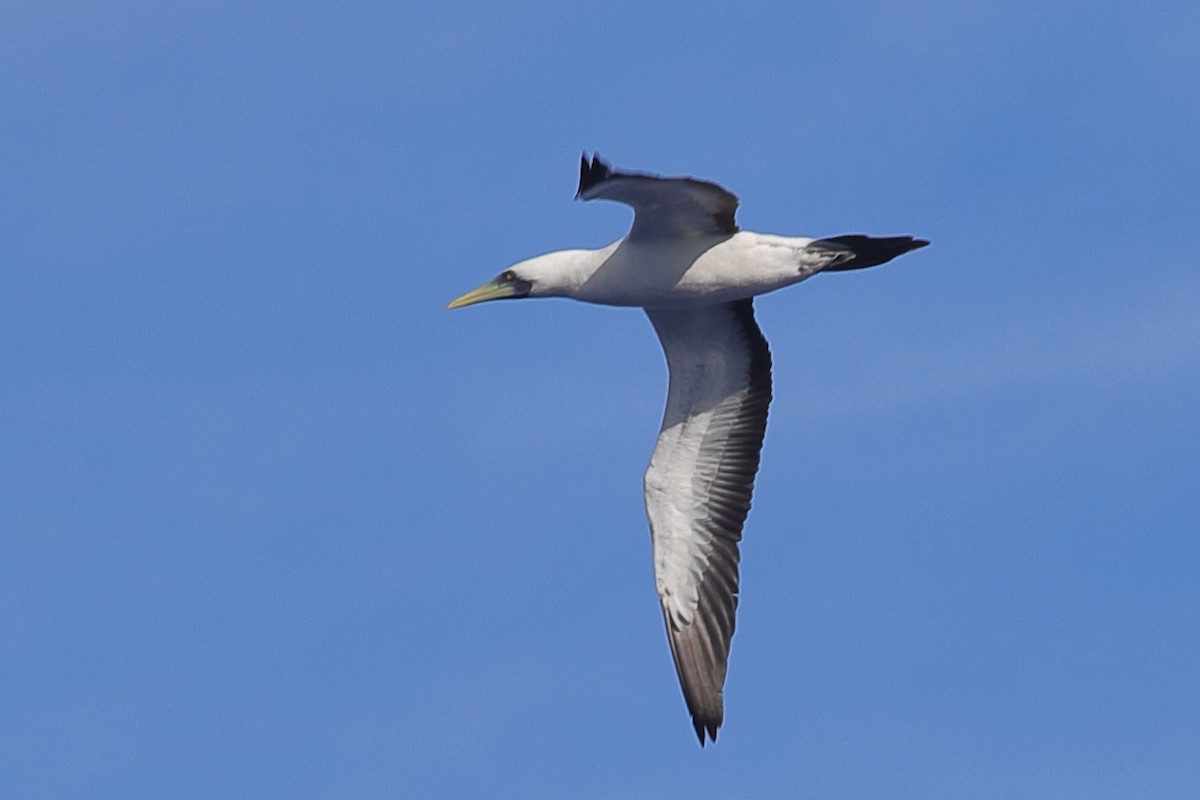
(591, 174)
(704, 727)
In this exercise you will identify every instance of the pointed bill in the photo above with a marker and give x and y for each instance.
(498, 289)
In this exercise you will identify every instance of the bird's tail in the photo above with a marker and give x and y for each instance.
(866, 251)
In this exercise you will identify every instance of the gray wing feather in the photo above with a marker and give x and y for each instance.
(699, 485)
(664, 207)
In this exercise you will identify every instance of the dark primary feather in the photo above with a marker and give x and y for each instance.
(591, 174)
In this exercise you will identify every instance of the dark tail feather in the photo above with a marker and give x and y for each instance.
(869, 251)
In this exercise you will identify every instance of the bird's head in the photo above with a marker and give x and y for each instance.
(508, 285)
(551, 275)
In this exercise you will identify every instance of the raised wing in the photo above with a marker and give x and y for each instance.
(664, 207)
(698, 487)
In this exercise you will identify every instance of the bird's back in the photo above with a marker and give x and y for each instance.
(695, 271)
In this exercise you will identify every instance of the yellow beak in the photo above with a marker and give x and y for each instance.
(498, 289)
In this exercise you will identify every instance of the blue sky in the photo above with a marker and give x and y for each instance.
(274, 524)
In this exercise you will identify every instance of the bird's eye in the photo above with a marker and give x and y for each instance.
(508, 276)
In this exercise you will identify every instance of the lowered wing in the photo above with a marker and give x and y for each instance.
(698, 487)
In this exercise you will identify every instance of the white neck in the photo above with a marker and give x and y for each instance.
(561, 273)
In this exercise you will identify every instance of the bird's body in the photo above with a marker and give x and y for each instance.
(694, 272)
(686, 273)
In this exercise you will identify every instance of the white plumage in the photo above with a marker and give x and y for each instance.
(694, 272)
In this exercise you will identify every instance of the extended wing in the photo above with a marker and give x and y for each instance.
(664, 207)
(698, 487)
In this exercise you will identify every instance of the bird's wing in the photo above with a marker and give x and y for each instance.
(699, 483)
(664, 207)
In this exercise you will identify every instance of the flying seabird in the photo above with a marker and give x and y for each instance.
(686, 262)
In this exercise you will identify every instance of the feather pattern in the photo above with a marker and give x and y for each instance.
(699, 484)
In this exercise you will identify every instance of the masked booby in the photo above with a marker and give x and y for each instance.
(686, 262)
